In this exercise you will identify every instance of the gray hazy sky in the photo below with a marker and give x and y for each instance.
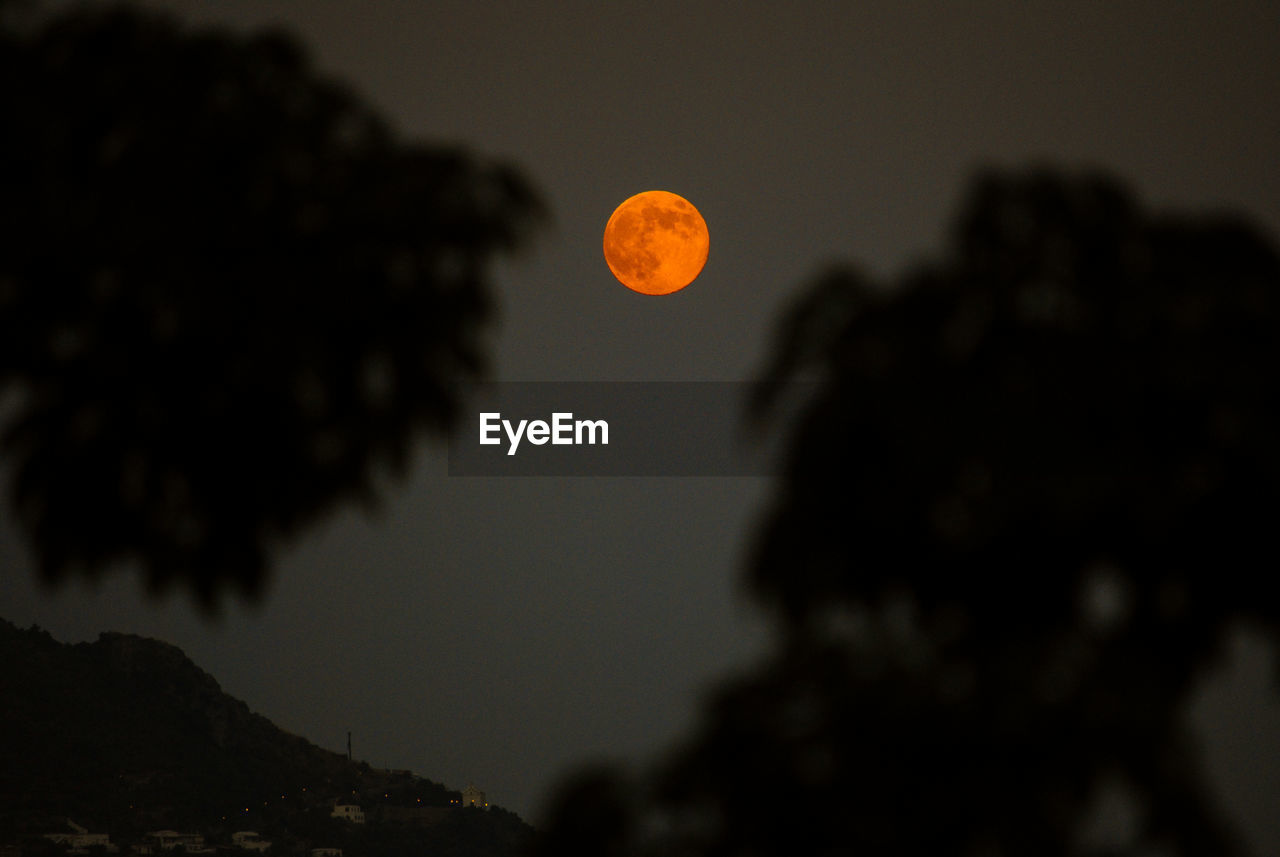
(499, 631)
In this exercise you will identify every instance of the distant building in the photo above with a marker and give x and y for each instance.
(472, 796)
(167, 840)
(249, 840)
(349, 812)
(326, 852)
(79, 840)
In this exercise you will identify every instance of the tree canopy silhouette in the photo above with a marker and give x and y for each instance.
(228, 292)
(1027, 503)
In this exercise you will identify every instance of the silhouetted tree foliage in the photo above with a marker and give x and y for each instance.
(593, 812)
(228, 293)
(1032, 495)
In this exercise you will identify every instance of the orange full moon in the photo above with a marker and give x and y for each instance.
(656, 243)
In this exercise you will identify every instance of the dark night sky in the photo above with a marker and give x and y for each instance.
(501, 630)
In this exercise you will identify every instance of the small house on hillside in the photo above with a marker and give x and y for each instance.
(249, 840)
(472, 796)
(79, 840)
(348, 812)
(166, 840)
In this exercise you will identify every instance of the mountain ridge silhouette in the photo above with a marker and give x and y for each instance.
(126, 734)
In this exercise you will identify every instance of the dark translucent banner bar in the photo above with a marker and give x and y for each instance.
(597, 428)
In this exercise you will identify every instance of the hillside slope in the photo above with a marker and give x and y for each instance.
(126, 734)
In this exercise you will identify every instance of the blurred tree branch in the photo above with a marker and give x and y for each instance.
(227, 293)
(1031, 497)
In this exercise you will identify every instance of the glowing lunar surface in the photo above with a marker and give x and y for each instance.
(656, 243)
